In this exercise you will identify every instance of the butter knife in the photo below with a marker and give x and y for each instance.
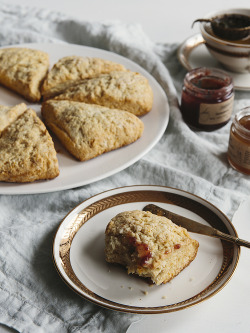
(194, 226)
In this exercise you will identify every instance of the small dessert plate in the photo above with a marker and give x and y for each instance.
(78, 253)
(193, 53)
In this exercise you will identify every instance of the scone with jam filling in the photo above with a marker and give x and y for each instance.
(148, 245)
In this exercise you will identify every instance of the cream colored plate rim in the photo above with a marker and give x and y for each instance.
(80, 233)
(185, 54)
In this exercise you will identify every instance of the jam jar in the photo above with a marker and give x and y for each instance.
(207, 98)
(239, 142)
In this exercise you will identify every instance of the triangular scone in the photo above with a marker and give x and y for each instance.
(127, 91)
(88, 130)
(27, 151)
(72, 69)
(8, 114)
(23, 70)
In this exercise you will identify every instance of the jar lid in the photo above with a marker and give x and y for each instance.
(241, 124)
(209, 81)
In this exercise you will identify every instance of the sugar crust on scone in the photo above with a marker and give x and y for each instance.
(8, 114)
(69, 70)
(124, 90)
(23, 70)
(88, 130)
(27, 151)
(148, 245)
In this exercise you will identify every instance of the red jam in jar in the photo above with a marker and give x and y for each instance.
(207, 98)
(239, 142)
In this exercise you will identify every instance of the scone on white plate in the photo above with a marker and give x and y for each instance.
(23, 70)
(69, 70)
(148, 245)
(27, 150)
(124, 90)
(88, 130)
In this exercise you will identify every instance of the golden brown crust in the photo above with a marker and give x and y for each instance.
(88, 130)
(23, 71)
(27, 151)
(8, 114)
(71, 70)
(124, 90)
(149, 245)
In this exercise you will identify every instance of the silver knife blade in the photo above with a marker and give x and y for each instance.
(194, 226)
(182, 221)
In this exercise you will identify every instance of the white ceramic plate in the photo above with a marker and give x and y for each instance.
(193, 53)
(74, 173)
(78, 252)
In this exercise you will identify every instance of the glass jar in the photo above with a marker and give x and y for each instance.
(239, 142)
(207, 98)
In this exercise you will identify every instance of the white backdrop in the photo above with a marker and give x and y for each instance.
(162, 20)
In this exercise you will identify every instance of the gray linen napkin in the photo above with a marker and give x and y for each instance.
(32, 296)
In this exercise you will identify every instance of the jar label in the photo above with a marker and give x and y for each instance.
(212, 114)
(239, 152)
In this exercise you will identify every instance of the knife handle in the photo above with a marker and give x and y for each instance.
(233, 239)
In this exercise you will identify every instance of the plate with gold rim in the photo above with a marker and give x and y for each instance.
(193, 53)
(78, 253)
(74, 173)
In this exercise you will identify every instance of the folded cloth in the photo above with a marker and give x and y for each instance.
(32, 296)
